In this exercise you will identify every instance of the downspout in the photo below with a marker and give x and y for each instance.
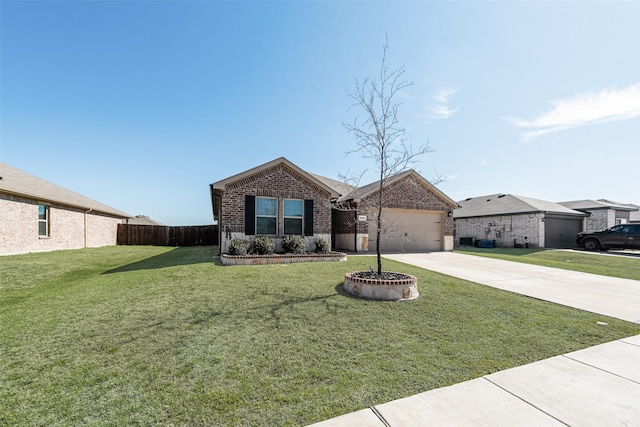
(219, 221)
(85, 226)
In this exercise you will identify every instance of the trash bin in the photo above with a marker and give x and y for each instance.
(466, 241)
(486, 244)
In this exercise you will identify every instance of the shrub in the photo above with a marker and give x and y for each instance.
(293, 245)
(321, 246)
(238, 247)
(262, 245)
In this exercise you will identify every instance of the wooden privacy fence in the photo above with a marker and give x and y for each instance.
(160, 235)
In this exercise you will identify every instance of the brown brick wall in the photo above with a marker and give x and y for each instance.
(280, 182)
(346, 221)
(410, 193)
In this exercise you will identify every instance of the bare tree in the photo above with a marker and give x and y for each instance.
(379, 135)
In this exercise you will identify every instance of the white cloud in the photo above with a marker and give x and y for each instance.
(442, 110)
(443, 95)
(584, 109)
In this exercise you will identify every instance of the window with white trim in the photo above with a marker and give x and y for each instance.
(293, 209)
(43, 220)
(266, 215)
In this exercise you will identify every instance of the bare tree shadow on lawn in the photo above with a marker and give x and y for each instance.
(271, 312)
(340, 290)
(275, 311)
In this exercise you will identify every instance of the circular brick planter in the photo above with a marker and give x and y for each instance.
(383, 290)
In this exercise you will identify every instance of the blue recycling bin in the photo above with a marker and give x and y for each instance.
(486, 244)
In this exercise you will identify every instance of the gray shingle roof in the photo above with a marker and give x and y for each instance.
(598, 204)
(17, 182)
(143, 220)
(507, 204)
(340, 187)
(339, 190)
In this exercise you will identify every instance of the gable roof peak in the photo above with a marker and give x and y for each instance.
(368, 189)
(222, 184)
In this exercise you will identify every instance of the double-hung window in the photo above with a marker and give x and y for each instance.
(266, 215)
(43, 220)
(273, 216)
(293, 209)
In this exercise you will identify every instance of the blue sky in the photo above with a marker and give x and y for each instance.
(141, 105)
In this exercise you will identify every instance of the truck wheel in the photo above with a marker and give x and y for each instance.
(591, 245)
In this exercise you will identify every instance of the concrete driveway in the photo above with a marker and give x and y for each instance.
(597, 386)
(611, 296)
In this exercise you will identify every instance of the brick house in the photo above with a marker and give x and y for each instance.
(603, 214)
(274, 199)
(279, 198)
(516, 221)
(143, 220)
(38, 216)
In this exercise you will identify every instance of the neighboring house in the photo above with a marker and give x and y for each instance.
(37, 216)
(143, 220)
(516, 221)
(634, 216)
(603, 214)
(279, 198)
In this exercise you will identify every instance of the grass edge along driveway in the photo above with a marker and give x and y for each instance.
(625, 267)
(149, 335)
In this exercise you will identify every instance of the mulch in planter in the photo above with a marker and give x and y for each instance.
(386, 275)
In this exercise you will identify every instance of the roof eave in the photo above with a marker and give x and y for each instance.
(112, 212)
(576, 214)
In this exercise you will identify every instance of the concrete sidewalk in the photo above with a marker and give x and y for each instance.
(596, 386)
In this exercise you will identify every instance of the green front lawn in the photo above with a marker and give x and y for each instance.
(151, 335)
(626, 267)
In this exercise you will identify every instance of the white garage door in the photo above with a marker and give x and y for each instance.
(406, 230)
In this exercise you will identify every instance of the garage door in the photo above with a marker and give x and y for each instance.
(408, 230)
(561, 232)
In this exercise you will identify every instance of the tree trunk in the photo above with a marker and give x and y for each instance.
(379, 222)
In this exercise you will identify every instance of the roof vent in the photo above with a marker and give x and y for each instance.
(501, 195)
(466, 200)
